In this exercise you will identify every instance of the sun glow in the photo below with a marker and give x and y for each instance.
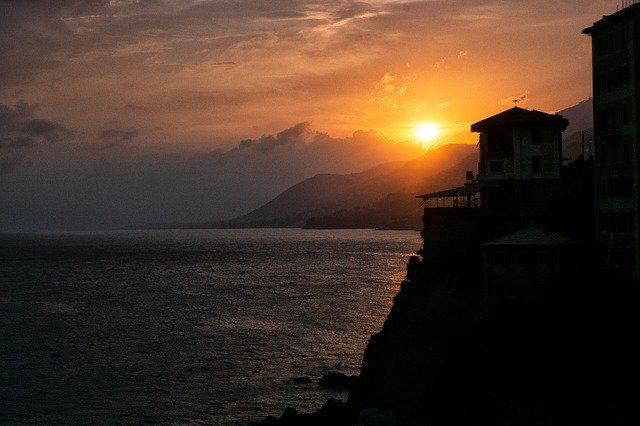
(427, 132)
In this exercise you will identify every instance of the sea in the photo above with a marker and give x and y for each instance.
(187, 326)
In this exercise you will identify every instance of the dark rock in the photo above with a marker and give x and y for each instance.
(269, 421)
(337, 380)
(290, 416)
(302, 379)
(334, 413)
(373, 417)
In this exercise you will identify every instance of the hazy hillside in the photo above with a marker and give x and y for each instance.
(325, 194)
(580, 118)
(383, 196)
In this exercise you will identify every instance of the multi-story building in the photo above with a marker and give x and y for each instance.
(616, 105)
(518, 184)
(520, 160)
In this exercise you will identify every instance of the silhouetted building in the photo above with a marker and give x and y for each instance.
(520, 160)
(616, 107)
(519, 168)
(518, 182)
(531, 265)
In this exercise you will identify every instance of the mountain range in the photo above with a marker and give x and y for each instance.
(331, 197)
(383, 197)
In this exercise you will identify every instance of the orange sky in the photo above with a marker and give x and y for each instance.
(207, 74)
(120, 112)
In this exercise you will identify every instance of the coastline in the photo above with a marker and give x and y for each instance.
(443, 357)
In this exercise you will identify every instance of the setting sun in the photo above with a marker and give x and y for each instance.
(427, 132)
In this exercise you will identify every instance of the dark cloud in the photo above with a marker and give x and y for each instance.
(77, 186)
(18, 128)
(118, 136)
(21, 132)
(42, 35)
(19, 142)
(299, 133)
(45, 130)
(39, 35)
(11, 118)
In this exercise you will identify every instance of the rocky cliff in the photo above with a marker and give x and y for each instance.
(444, 358)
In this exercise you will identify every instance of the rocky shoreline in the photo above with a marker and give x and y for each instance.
(441, 358)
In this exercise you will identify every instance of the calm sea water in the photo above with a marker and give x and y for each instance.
(203, 326)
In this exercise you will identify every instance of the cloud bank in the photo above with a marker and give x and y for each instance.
(50, 180)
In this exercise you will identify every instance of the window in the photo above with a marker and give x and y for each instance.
(614, 190)
(625, 151)
(522, 262)
(536, 164)
(626, 186)
(623, 76)
(496, 167)
(626, 223)
(497, 142)
(544, 262)
(602, 222)
(603, 154)
(603, 188)
(498, 262)
(626, 75)
(613, 79)
(527, 195)
(614, 117)
(602, 120)
(522, 288)
(598, 80)
(600, 47)
(536, 135)
(625, 113)
(623, 38)
(625, 226)
(609, 77)
(612, 42)
(500, 288)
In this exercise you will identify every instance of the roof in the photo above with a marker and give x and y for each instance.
(531, 236)
(517, 115)
(609, 19)
(458, 191)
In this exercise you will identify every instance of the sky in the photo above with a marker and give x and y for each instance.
(119, 112)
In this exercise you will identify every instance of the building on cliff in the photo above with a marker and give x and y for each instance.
(519, 168)
(530, 264)
(616, 106)
(518, 184)
(520, 160)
